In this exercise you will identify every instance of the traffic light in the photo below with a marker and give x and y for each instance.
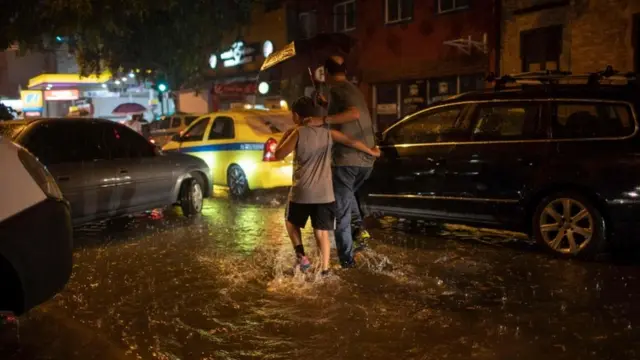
(162, 87)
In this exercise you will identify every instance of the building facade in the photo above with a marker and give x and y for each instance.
(571, 35)
(231, 80)
(409, 53)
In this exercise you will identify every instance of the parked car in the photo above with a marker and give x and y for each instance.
(35, 232)
(106, 170)
(559, 162)
(168, 126)
(239, 147)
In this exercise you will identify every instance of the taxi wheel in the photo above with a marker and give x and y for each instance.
(237, 182)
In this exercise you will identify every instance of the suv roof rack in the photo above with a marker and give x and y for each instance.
(553, 77)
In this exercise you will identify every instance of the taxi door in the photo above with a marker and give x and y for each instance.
(219, 141)
(192, 141)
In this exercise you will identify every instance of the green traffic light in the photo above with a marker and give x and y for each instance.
(162, 87)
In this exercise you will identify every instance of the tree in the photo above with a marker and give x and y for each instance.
(170, 37)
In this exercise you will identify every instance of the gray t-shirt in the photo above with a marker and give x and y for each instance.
(312, 182)
(344, 95)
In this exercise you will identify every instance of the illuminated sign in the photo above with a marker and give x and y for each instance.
(279, 56)
(246, 88)
(213, 61)
(238, 54)
(61, 95)
(31, 100)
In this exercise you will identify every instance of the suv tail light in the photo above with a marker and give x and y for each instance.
(269, 153)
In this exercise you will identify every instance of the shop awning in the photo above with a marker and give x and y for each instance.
(43, 80)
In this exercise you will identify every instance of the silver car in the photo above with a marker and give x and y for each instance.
(105, 169)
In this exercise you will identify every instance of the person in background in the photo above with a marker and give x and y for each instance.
(136, 123)
(312, 195)
(348, 113)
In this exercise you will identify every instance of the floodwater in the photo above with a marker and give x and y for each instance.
(219, 287)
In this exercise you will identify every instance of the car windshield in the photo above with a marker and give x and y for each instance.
(10, 130)
(270, 124)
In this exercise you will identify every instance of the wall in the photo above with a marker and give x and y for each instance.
(190, 102)
(597, 33)
(16, 70)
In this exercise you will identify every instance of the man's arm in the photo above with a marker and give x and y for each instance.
(351, 114)
(287, 145)
(341, 138)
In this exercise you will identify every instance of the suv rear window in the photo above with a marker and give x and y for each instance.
(579, 120)
(270, 124)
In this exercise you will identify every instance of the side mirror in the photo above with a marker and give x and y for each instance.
(176, 138)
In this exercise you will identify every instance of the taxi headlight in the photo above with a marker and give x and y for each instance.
(40, 174)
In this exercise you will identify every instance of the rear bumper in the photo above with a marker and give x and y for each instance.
(38, 244)
(268, 175)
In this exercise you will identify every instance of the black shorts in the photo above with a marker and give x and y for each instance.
(323, 216)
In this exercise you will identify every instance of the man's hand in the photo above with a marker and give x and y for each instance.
(313, 121)
(375, 151)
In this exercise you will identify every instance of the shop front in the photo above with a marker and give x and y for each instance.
(394, 100)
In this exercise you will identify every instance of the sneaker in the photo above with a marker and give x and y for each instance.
(303, 263)
(361, 239)
(348, 264)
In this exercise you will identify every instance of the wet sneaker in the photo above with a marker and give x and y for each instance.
(361, 239)
(303, 263)
(348, 264)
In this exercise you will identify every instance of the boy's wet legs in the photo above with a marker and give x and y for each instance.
(322, 239)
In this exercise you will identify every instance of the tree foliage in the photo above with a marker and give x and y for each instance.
(170, 37)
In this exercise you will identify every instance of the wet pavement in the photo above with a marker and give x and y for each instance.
(217, 287)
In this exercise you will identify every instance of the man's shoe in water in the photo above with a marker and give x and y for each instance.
(303, 263)
(361, 240)
(348, 264)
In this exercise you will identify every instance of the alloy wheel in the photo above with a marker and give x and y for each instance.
(237, 181)
(196, 196)
(566, 225)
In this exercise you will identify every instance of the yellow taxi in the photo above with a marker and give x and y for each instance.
(239, 147)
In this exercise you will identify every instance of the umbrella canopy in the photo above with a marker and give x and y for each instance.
(301, 56)
(129, 108)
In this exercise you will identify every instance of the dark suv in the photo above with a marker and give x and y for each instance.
(556, 156)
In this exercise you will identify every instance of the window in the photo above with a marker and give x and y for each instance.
(427, 127)
(588, 120)
(398, 10)
(189, 119)
(308, 24)
(176, 122)
(196, 132)
(222, 129)
(507, 121)
(451, 5)
(344, 16)
(70, 142)
(125, 143)
(165, 123)
(540, 49)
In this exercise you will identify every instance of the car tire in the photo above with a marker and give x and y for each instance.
(567, 218)
(237, 182)
(191, 197)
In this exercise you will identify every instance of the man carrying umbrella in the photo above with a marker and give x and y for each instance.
(348, 113)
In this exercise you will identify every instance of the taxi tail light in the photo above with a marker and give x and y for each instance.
(269, 153)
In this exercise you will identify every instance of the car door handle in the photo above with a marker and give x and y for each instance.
(63, 178)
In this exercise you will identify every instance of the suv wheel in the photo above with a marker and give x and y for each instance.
(191, 197)
(569, 225)
(237, 182)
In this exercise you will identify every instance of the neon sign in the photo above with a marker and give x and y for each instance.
(239, 54)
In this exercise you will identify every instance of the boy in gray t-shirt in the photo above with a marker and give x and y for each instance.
(311, 194)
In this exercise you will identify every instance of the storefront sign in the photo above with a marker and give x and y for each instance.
(387, 109)
(239, 54)
(248, 88)
(279, 56)
(414, 95)
(61, 95)
(31, 100)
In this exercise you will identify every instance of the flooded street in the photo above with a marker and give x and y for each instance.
(218, 287)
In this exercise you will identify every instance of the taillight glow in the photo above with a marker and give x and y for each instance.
(270, 150)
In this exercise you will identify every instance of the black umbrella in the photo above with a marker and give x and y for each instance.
(304, 56)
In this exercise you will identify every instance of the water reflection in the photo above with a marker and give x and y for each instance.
(219, 286)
